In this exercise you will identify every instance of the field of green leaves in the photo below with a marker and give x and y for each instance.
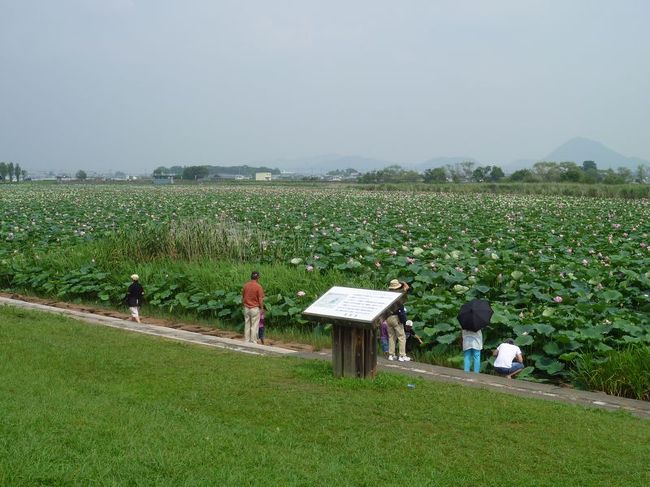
(565, 275)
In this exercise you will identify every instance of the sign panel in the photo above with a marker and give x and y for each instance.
(352, 304)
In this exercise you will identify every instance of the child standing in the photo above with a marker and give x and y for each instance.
(384, 338)
(472, 346)
(412, 339)
(260, 328)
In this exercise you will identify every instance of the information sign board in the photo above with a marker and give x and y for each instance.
(352, 304)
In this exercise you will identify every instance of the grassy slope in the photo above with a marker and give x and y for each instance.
(89, 405)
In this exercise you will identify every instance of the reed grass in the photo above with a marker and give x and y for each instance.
(191, 239)
(622, 373)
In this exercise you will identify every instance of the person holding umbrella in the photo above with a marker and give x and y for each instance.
(472, 346)
(473, 316)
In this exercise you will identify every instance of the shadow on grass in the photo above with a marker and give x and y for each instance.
(320, 372)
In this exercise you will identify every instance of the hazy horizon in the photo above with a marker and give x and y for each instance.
(130, 85)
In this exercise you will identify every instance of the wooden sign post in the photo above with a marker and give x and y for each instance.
(355, 315)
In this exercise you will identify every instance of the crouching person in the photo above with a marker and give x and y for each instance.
(509, 359)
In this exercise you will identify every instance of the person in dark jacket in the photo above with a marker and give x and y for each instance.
(134, 297)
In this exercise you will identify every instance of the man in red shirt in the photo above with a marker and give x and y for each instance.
(253, 300)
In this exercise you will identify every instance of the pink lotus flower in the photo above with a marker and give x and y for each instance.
(557, 299)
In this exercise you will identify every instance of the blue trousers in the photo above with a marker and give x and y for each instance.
(477, 359)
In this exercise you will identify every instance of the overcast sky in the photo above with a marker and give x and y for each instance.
(134, 84)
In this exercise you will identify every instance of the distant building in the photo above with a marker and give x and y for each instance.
(162, 179)
(262, 176)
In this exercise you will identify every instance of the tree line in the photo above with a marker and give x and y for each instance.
(543, 171)
(10, 172)
(199, 172)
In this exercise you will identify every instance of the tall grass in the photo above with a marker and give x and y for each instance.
(622, 373)
(191, 239)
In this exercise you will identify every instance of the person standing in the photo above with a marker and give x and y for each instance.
(509, 359)
(134, 297)
(472, 346)
(253, 300)
(396, 323)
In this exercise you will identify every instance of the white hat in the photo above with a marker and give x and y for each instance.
(408, 323)
(134, 277)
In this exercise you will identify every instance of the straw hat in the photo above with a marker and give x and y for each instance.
(394, 284)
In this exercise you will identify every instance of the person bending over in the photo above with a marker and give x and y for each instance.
(509, 359)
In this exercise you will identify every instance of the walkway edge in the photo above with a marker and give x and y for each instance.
(155, 330)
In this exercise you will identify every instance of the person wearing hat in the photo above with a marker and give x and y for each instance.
(396, 322)
(253, 300)
(134, 297)
(412, 338)
(509, 359)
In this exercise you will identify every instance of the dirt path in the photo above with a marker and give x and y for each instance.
(203, 330)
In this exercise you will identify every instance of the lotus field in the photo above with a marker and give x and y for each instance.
(565, 276)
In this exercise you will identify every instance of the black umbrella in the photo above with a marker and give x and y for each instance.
(475, 314)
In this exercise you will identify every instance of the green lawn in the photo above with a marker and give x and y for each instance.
(86, 405)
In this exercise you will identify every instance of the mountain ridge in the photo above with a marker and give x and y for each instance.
(577, 149)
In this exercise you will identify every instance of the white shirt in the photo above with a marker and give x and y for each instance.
(506, 355)
(472, 339)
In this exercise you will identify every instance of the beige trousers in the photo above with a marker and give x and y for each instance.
(396, 329)
(251, 323)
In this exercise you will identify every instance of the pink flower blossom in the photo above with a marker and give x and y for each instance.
(557, 299)
(300, 294)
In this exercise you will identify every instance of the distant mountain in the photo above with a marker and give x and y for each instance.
(325, 163)
(578, 149)
(581, 149)
(330, 162)
(440, 162)
(517, 164)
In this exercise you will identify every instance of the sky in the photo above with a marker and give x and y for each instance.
(132, 85)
